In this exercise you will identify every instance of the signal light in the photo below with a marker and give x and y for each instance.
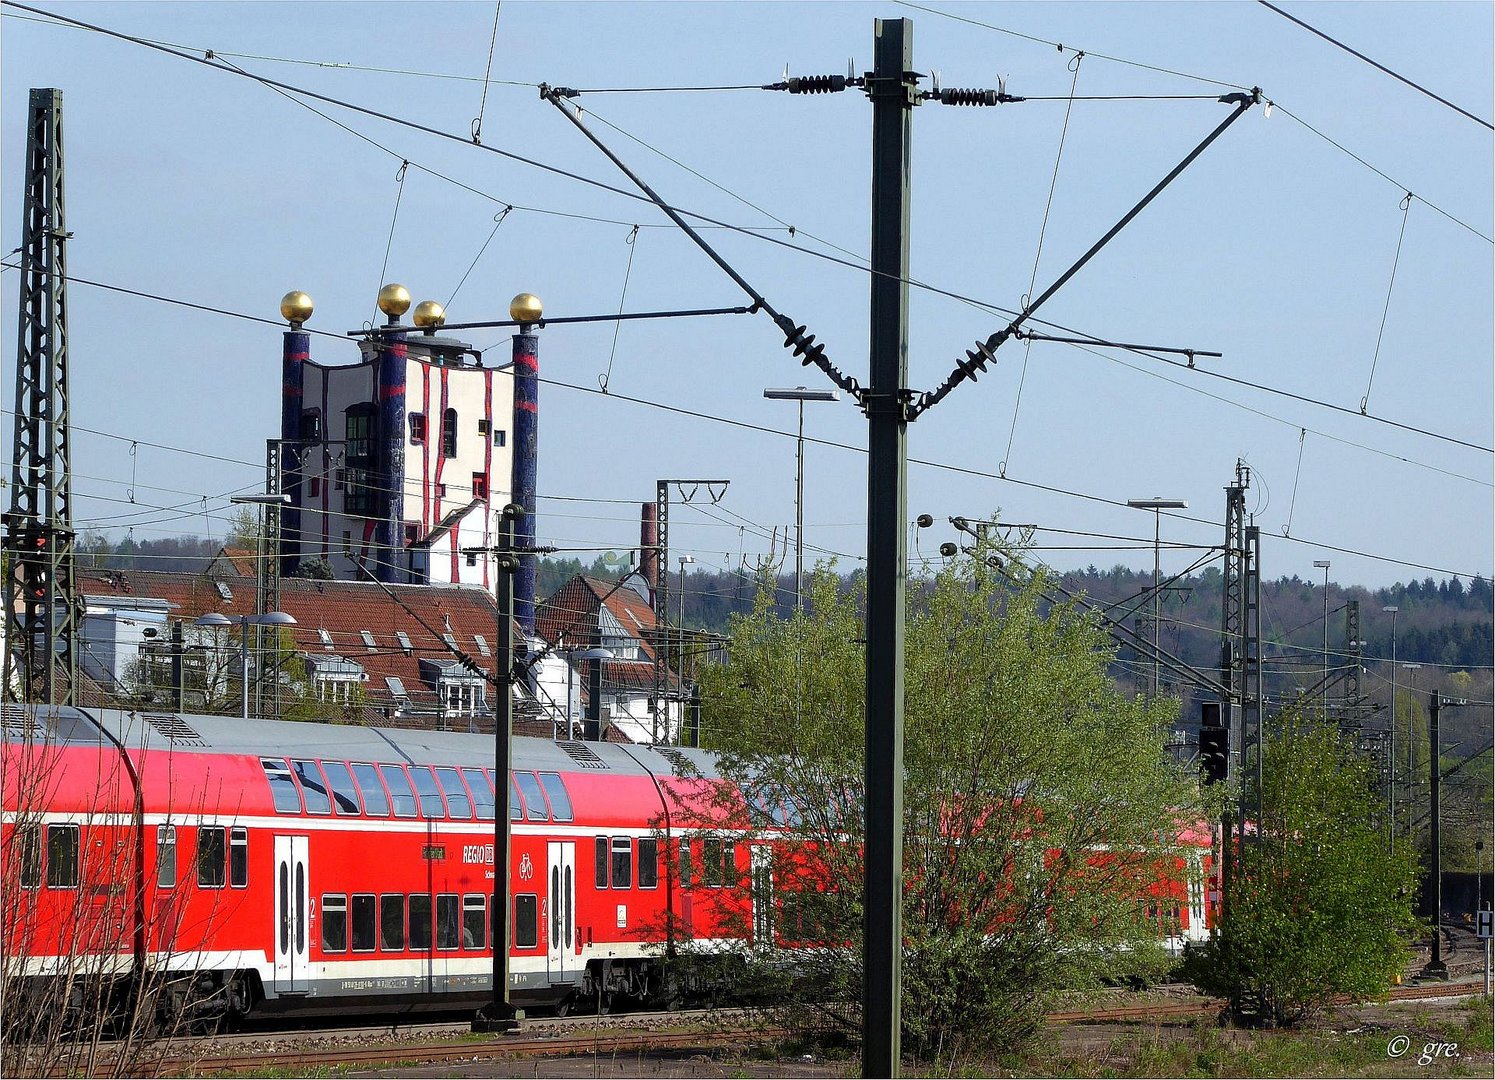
(1214, 744)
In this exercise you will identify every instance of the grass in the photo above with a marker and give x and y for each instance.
(1207, 1050)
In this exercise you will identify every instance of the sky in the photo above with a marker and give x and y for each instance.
(1355, 325)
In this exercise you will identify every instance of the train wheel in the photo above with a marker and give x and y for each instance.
(565, 1005)
(604, 1002)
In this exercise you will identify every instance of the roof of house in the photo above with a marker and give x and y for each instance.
(339, 620)
(570, 615)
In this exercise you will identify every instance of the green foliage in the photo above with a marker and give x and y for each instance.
(1038, 804)
(1319, 906)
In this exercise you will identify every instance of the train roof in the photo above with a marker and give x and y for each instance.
(203, 734)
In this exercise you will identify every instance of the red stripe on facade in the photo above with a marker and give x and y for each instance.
(326, 477)
(487, 468)
(456, 570)
(425, 454)
(435, 429)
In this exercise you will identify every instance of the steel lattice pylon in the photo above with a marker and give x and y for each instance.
(41, 603)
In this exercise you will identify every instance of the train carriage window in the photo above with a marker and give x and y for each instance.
(482, 793)
(344, 790)
(560, 801)
(431, 805)
(375, 801)
(365, 919)
(648, 863)
(602, 875)
(334, 922)
(712, 862)
(458, 804)
(212, 856)
(534, 798)
(165, 856)
(622, 862)
(516, 802)
(62, 856)
(313, 787)
(28, 839)
(238, 857)
(420, 921)
(474, 921)
(399, 790)
(729, 865)
(448, 920)
(686, 871)
(392, 922)
(526, 921)
(282, 787)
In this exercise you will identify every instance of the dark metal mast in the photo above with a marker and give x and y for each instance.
(41, 604)
(893, 89)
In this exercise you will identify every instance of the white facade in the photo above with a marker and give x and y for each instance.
(448, 465)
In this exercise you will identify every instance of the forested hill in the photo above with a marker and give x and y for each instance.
(1445, 623)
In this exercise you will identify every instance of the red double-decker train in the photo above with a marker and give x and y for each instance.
(261, 866)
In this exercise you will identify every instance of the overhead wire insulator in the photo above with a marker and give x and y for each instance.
(956, 96)
(817, 84)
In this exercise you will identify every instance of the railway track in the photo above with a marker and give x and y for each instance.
(448, 1044)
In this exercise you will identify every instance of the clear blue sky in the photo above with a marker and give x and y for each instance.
(1275, 248)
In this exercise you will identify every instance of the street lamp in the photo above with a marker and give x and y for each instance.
(572, 656)
(1157, 506)
(1323, 564)
(800, 395)
(1391, 609)
(269, 618)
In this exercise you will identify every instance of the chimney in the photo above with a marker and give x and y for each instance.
(648, 543)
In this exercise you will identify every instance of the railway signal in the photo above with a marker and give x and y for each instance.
(1214, 743)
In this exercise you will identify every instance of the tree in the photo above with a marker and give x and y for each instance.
(1040, 811)
(1318, 906)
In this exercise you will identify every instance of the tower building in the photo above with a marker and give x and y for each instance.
(396, 463)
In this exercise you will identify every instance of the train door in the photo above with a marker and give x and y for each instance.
(292, 916)
(560, 911)
(762, 893)
(1197, 930)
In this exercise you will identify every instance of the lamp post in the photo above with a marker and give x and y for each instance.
(572, 656)
(801, 395)
(268, 618)
(1157, 506)
(1391, 609)
(1323, 564)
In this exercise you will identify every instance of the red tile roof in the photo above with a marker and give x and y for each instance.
(344, 609)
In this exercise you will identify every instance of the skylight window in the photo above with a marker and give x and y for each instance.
(483, 649)
(325, 637)
(368, 640)
(404, 640)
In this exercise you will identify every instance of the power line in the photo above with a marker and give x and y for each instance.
(1379, 67)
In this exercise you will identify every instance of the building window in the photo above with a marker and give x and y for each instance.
(311, 425)
(462, 699)
(449, 433)
(479, 485)
(336, 691)
(360, 497)
(339, 479)
(359, 433)
(417, 428)
(412, 533)
(499, 437)
(314, 487)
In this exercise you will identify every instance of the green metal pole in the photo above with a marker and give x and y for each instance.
(892, 91)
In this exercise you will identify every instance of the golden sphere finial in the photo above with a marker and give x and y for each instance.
(394, 300)
(295, 307)
(428, 315)
(526, 308)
